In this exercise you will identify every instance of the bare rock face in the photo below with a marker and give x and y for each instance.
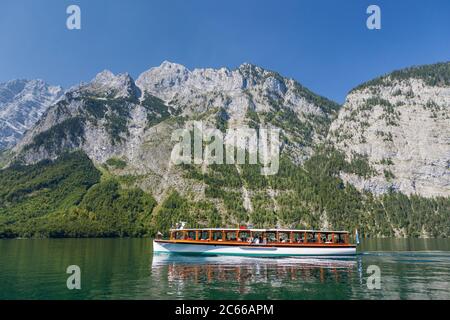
(114, 117)
(248, 95)
(394, 129)
(247, 88)
(22, 103)
(401, 123)
(93, 117)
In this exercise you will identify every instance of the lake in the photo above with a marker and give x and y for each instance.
(127, 269)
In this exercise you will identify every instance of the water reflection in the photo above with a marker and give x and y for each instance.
(127, 269)
(181, 271)
(404, 275)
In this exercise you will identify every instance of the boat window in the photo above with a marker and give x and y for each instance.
(204, 235)
(336, 238)
(299, 237)
(244, 235)
(284, 237)
(179, 235)
(231, 236)
(217, 235)
(191, 235)
(271, 237)
(326, 237)
(257, 237)
(339, 238)
(313, 237)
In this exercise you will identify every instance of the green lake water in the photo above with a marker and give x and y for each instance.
(127, 269)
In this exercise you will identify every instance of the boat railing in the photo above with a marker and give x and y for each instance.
(261, 237)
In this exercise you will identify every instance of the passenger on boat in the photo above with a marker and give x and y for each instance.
(256, 241)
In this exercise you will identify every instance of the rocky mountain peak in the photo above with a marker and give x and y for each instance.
(171, 65)
(24, 89)
(433, 75)
(392, 134)
(104, 77)
(22, 103)
(107, 84)
(166, 77)
(169, 78)
(217, 88)
(401, 123)
(94, 118)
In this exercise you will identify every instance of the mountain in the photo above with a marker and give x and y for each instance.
(120, 131)
(401, 124)
(22, 103)
(112, 117)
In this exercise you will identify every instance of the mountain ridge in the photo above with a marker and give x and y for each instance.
(227, 93)
(327, 177)
(401, 123)
(22, 103)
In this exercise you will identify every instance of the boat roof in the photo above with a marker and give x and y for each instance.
(257, 230)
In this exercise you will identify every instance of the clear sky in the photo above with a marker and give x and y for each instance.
(323, 44)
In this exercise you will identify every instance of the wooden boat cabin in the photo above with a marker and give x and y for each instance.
(260, 236)
(256, 242)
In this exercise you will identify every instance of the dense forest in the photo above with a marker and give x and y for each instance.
(313, 196)
(69, 197)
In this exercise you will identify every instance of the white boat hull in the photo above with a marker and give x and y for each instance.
(257, 251)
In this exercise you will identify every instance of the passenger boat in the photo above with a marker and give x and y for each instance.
(256, 242)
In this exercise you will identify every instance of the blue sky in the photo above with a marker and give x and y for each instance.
(323, 44)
